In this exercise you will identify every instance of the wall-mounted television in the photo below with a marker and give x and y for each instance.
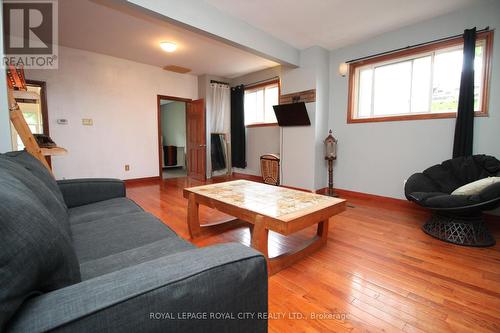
(294, 114)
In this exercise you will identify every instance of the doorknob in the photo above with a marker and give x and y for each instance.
(202, 145)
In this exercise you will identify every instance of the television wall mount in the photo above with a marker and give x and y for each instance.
(306, 96)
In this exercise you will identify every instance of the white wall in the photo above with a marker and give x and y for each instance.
(120, 96)
(5, 141)
(173, 127)
(173, 123)
(376, 157)
(297, 144)
(303, 163)
(259, 141)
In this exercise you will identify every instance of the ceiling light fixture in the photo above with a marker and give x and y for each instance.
(168, 46)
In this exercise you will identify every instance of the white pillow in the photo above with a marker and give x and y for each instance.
(476, 187)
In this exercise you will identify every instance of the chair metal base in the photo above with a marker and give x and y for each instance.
(460, 230)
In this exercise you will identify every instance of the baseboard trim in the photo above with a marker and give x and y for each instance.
(254, 178)
(138, 180)
(376, 199)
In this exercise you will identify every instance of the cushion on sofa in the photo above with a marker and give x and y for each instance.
(47, 197)
(476, 187)
(135, 256)
(38, 170)
(101, 238)
(103, 209)
(36, 256)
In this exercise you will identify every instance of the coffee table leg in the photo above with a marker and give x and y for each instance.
(284, 260)
(323, 231)
(192, 218)
(260, 236)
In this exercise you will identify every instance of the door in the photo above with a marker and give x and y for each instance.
(196, 139)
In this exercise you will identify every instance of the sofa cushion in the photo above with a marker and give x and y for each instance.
(102, 209)
(39, 188)
(148, 252)
(38, 170)
(108, 236)
(35, 255)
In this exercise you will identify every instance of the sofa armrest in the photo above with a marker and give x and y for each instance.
(78, 192)
(221, 288)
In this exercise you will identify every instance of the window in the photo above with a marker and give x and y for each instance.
(33, 114)
(259, 101)
(419, 83)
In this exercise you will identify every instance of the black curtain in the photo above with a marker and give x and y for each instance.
(238, 137)
(464, 127)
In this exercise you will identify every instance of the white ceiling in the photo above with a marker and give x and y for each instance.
(334, 23)
(110, 28)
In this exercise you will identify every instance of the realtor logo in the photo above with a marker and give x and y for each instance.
(30, 34)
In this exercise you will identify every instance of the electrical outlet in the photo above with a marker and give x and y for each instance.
(87, 122)
(127, 167)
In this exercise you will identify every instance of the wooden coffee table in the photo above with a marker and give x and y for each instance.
(265, 208)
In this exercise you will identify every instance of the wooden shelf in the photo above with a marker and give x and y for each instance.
(54, 151)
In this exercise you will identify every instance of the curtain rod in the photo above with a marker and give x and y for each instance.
(413, 46)
(261, 81)
(219, 82)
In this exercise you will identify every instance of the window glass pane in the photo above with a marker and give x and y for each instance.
(421, 85)
(446, 82)
(259, 106)
(271, 98)
(365, 93)
(20, 144)
(478, 74)
(31, 118)
(33, 115)
(392, 89)
(250, 105)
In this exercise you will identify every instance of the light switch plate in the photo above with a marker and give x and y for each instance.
(62, 121)
(87, 122)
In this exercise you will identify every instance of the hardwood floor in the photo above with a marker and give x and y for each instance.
(378, 272)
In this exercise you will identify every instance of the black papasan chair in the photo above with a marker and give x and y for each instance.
(457, 218)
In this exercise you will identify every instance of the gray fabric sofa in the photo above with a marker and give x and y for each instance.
(77, 255)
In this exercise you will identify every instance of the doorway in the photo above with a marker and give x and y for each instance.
(181, 138)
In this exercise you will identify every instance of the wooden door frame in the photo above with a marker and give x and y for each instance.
(204, 136)
(160, 148)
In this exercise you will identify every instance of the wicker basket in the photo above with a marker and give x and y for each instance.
(270, 169)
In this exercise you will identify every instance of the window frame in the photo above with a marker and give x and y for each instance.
(263, 85)
(487, 36)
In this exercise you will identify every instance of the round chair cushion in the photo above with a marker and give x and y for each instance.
(476, 187)
(434, 186)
